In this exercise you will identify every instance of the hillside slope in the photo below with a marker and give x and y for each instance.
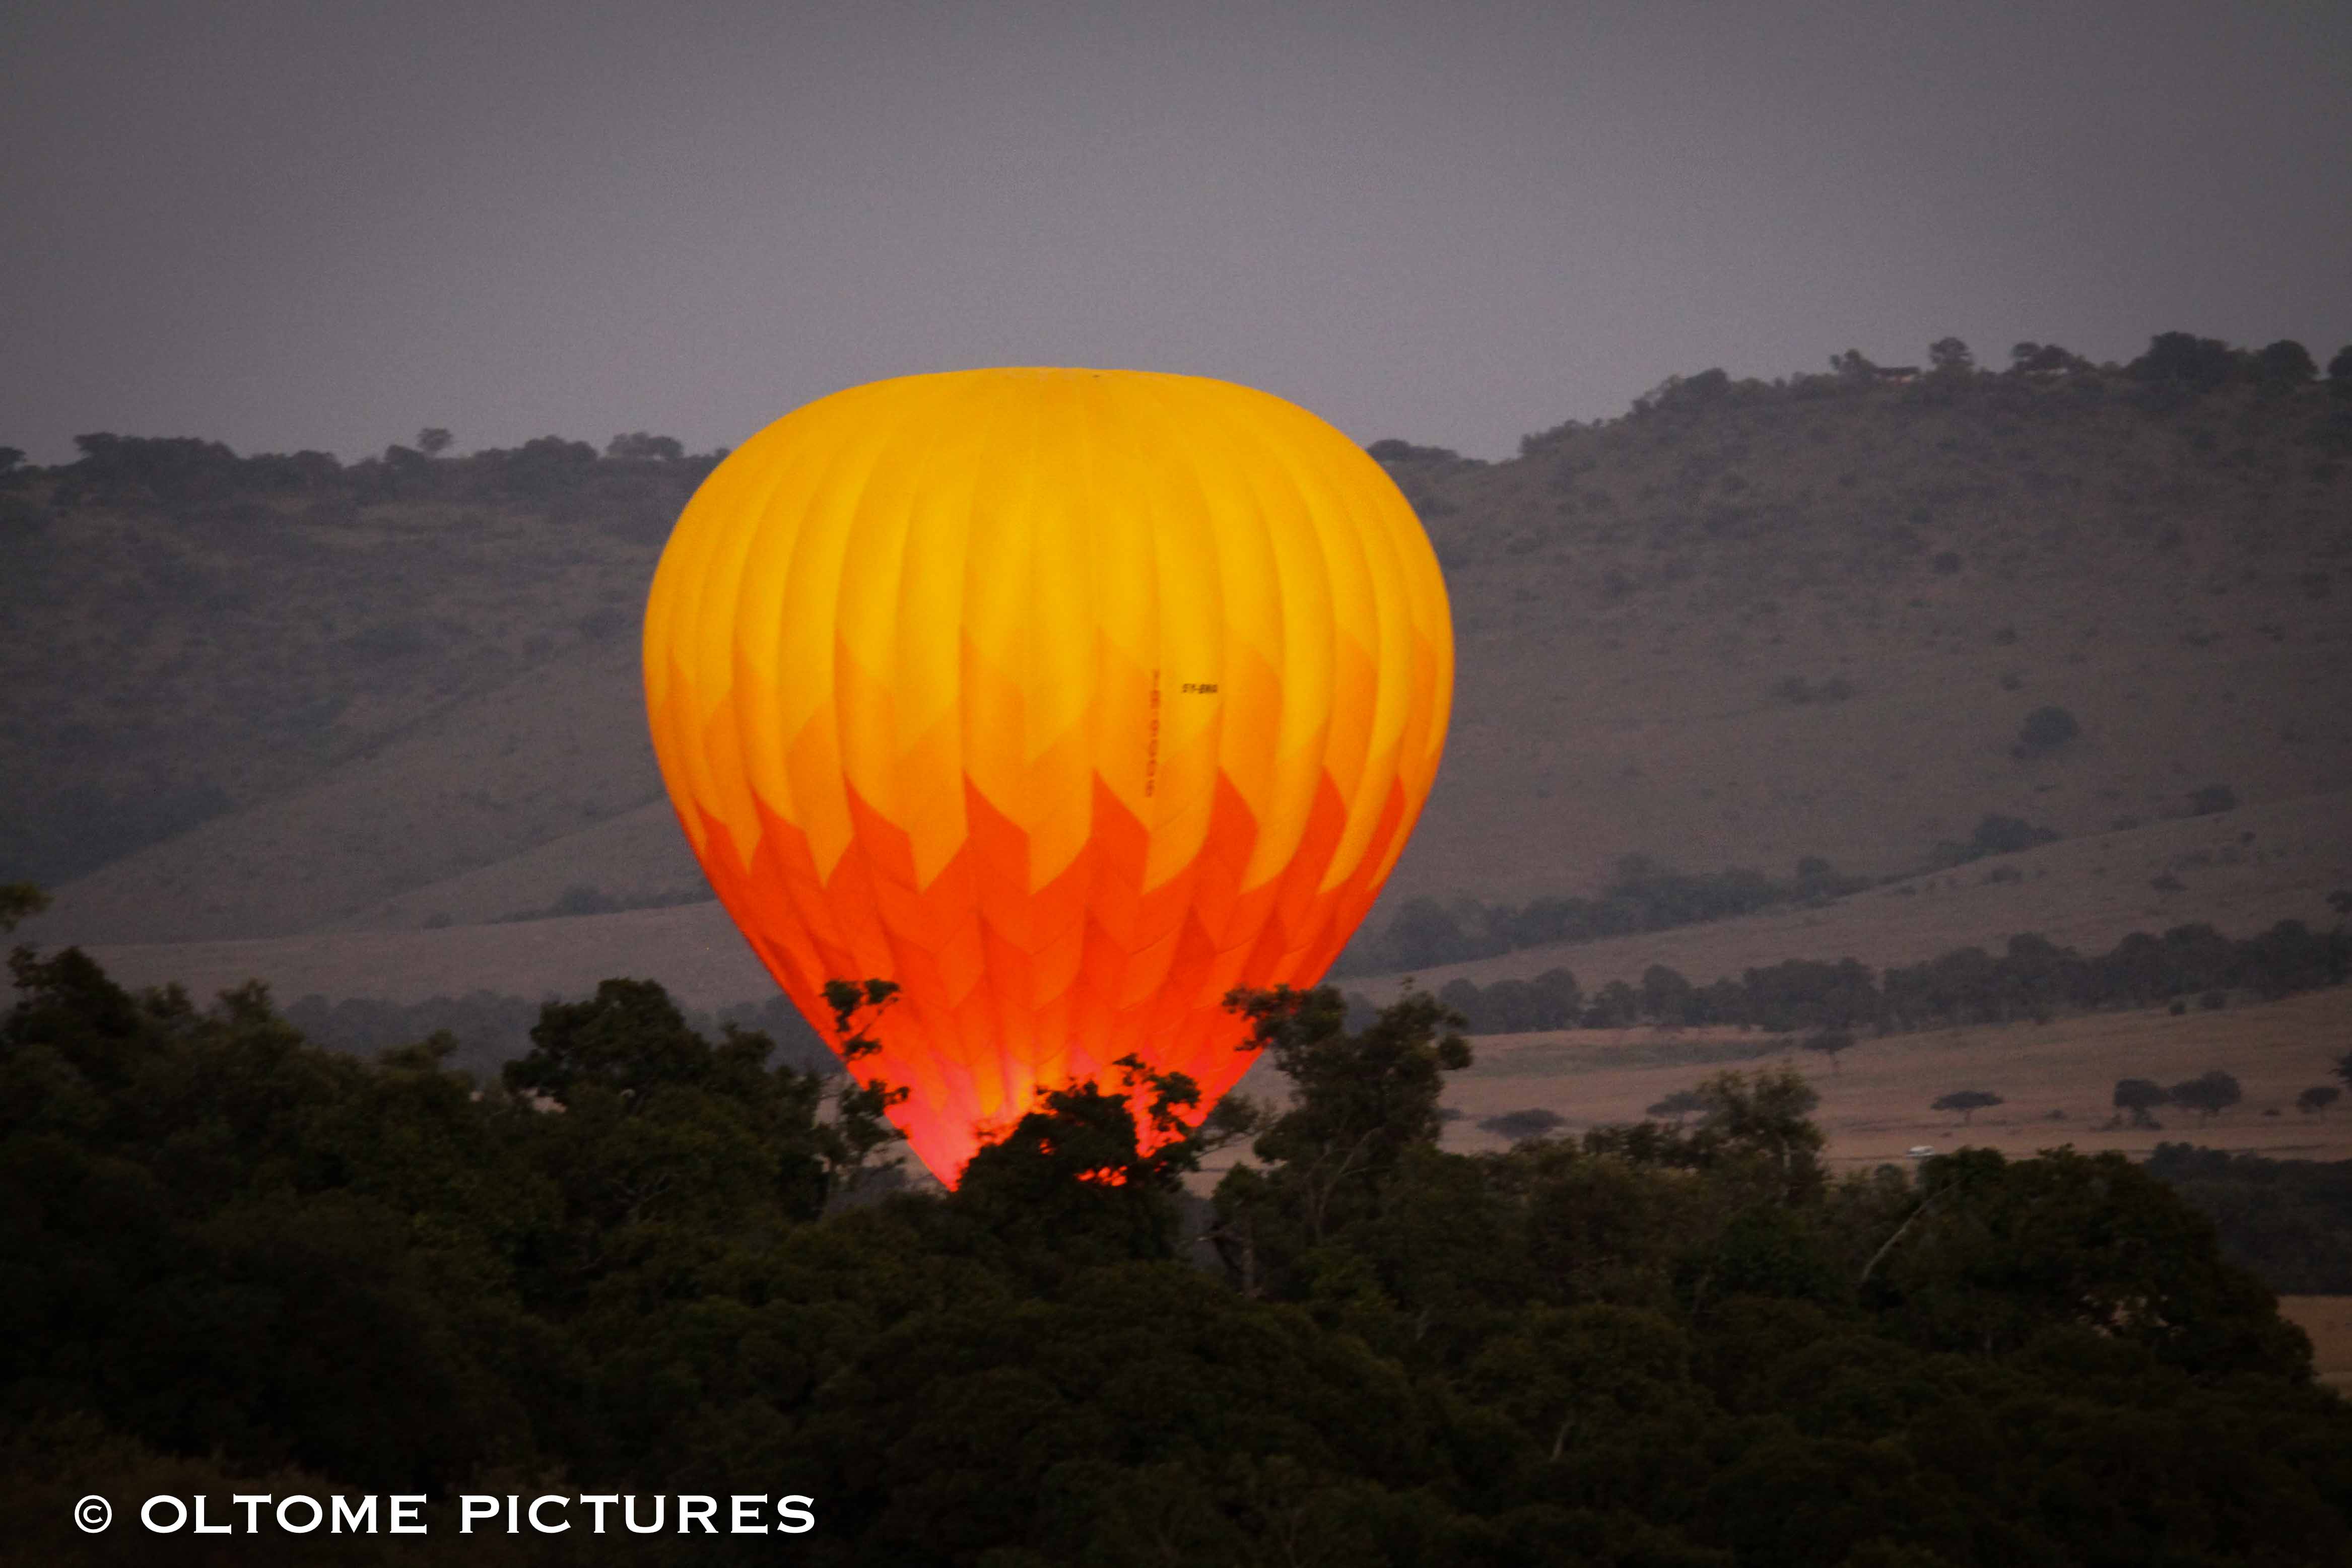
(2238, 871)
(1740, 625)
(1761, 626)
(485, 780)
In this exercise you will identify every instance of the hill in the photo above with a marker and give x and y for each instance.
(1742, 625)
(255, 694)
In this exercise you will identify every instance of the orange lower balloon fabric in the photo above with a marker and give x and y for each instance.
(1053, 985)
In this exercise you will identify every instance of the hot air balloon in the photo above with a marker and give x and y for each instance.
(1066, 700)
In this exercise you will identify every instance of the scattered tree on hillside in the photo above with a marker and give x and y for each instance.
(2212, 800)
(1666, 996)
(1968, 1102)
(2044, 359)
(2339, 369)
(1950, 357)
(1830, 1042)
(2045, 729)
(2185, 361)
(2033, 978)
(2316, 1100)
(1682, 1103)
(1614, 1006)
(2208, 1093)
(433, 441)
(2283, 364)
(1393, 449)
(2141, 1097)
(1424, 933)
(1995, 835)
(1521, 1126)
(20, 900)
(1678, 393)
(639, 447)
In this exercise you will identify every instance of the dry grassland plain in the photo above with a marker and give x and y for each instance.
(2056, 1080)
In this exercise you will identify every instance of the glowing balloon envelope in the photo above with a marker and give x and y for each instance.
(1067, 699)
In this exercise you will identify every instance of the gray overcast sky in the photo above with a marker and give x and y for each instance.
(292, 225)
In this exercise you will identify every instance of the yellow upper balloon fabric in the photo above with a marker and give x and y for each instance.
(1067, 699)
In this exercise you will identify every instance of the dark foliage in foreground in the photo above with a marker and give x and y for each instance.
(2290, 1221)
(237, 1262)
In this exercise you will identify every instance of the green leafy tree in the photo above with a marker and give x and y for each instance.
(1763, 1122)
(627, 1040)
(855, 1136)
(1080, 1176)
(1999, 1251)
(661, 1129)
(1362, 1103)
(198, 1263)
(1567, 1376)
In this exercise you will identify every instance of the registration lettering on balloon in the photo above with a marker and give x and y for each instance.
(903, 657)
(1151, 742)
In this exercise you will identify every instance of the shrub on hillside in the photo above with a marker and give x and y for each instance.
(1994, 835)
(2044, 730)
(2212, 800)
